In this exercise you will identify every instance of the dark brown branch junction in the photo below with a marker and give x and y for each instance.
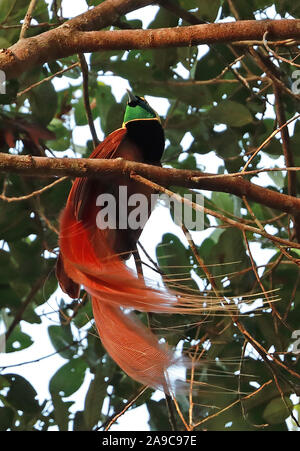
(84, 167)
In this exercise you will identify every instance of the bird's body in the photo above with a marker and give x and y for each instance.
(93, 256)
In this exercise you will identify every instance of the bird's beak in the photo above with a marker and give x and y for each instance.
(131, 97)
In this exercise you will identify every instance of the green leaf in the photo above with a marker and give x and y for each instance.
(6, 268)
(11, 88)
(8, 297)
(277, 178)
(105, 100)
(94, 351)
(84, 315)
(194, 95)
(158, 416)
(231, 113)
(187, 56)
(80, 113)
(68, 378)
(94, 399)
(6, 418)
(182, 212)
(21, 394)
(62, 339)
(62, 133)
(79, 421)
(226, 257)
(43, 102)
(27, 270)
(4, 44)
(174, 261)
(208, 10)
(61, 411)
(3, 382)
(18, 340)
(100, 61)
(277, 410)
(15, 221)
(40, 12)
(223, 202)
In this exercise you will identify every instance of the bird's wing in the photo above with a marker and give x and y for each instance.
(82, 187)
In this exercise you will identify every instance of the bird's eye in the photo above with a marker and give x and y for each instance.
(134, 102)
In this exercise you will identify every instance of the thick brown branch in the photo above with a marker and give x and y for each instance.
(54, 42)
(84, 167)
(67, 39)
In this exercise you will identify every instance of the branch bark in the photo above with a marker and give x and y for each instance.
(54, 42)
(279, 87)
(75, 36)
(85, 167)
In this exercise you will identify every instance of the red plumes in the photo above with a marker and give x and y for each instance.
(86, 258)
(131, 345)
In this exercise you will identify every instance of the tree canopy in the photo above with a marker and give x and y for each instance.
(230, 73)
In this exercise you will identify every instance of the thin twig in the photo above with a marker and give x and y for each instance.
(279, 57)
(223, 218)
(271, 304)
(266, 65)
(233, 9)
(85, 89)
(27, 18)
(232, 404)
(25, 304)
(125, 408)
(287, 152)
(288, 155)
(36, 25)
(33, 194)
(267, 140)
(39, 359)
(47, 79)
(12, 5)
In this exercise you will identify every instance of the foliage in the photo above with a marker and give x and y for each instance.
(224, 115)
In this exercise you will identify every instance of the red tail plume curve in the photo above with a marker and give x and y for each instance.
(88, 257)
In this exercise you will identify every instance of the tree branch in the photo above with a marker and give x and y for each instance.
(27, 18)
(278, 86)
(85, 167)
(55, 41)
(86, 100)
(69, 38)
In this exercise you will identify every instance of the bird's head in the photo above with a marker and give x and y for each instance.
(144, 128)
(138, 109)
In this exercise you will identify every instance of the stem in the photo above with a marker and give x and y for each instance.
(27, 18)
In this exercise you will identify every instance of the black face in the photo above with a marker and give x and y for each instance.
(144, 128)
(134, 102)
(150, 138)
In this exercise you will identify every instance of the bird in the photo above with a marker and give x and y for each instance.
(94, 257)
